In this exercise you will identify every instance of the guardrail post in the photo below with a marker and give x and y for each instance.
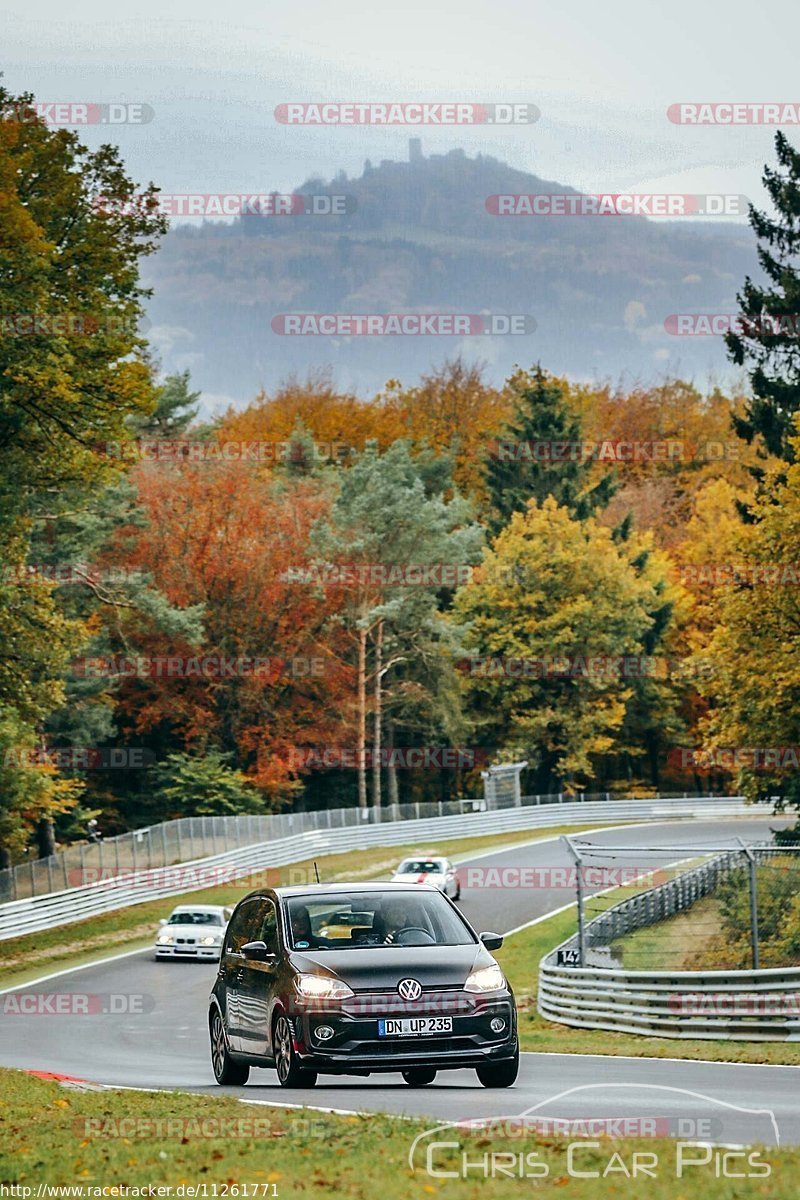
(751, 863)
(579, 897)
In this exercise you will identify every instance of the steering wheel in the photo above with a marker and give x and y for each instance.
(399, 936)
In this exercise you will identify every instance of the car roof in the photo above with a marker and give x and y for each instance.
(341, 889)
(206, 908)
(424, 858)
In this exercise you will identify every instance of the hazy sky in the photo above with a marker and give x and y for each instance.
(602, 75)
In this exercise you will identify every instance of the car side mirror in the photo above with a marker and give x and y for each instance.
(492, 941)
(257, 951)
(163, 921)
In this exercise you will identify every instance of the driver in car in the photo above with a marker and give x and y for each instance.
(302, 935)
(396, 918)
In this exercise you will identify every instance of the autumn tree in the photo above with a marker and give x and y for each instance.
(559, 595)
(72, 371)
(753, 725)
(224, 539)
(452, 411)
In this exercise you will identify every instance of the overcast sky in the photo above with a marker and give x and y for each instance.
(602, 76)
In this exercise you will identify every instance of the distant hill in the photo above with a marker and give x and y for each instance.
(421, 239)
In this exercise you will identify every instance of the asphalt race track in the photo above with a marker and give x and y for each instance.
(166, 1046)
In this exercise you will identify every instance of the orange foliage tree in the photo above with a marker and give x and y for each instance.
(265, 682)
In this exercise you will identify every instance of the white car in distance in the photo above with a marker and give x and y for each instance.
(436, 872)
(193, 931)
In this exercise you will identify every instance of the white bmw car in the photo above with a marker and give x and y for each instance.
(436, 872)
(193, 931)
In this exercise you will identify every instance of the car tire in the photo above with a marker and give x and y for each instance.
(419, 1076)
(458, 894)
(290, 1073)
(500, 1074)
(226, 1070)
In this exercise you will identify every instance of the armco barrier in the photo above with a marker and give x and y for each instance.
(136, 887)
(753, 1006)
(189, 838)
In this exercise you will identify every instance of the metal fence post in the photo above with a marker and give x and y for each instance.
(579, 897)
(751, 863)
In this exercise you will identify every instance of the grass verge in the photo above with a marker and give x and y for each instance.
(94, 1140)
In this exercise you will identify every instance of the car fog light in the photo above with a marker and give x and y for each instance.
(324, 1033)
(498, 1024)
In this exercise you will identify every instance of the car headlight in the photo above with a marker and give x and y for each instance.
(319, 987)
(166, 939)
(211, 940)
(486, 979)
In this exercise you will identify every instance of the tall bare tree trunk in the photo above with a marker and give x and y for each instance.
(391, 769)
(362, 718)
(376, 750)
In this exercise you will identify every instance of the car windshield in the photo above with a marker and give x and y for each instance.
(196, 918)
(356, 919)
(420, 866)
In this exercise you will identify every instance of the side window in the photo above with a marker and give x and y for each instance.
(245, 925)
(269, 928)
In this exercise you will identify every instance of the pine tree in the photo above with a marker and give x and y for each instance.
(768, 337)
(527, 464)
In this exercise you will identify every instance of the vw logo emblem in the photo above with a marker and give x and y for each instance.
(409, 989)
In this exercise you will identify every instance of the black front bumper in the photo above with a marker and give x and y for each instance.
(356, 1046)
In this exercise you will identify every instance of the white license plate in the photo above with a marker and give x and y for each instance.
(414, 1026)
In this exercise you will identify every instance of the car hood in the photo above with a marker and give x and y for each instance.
(373, 968)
